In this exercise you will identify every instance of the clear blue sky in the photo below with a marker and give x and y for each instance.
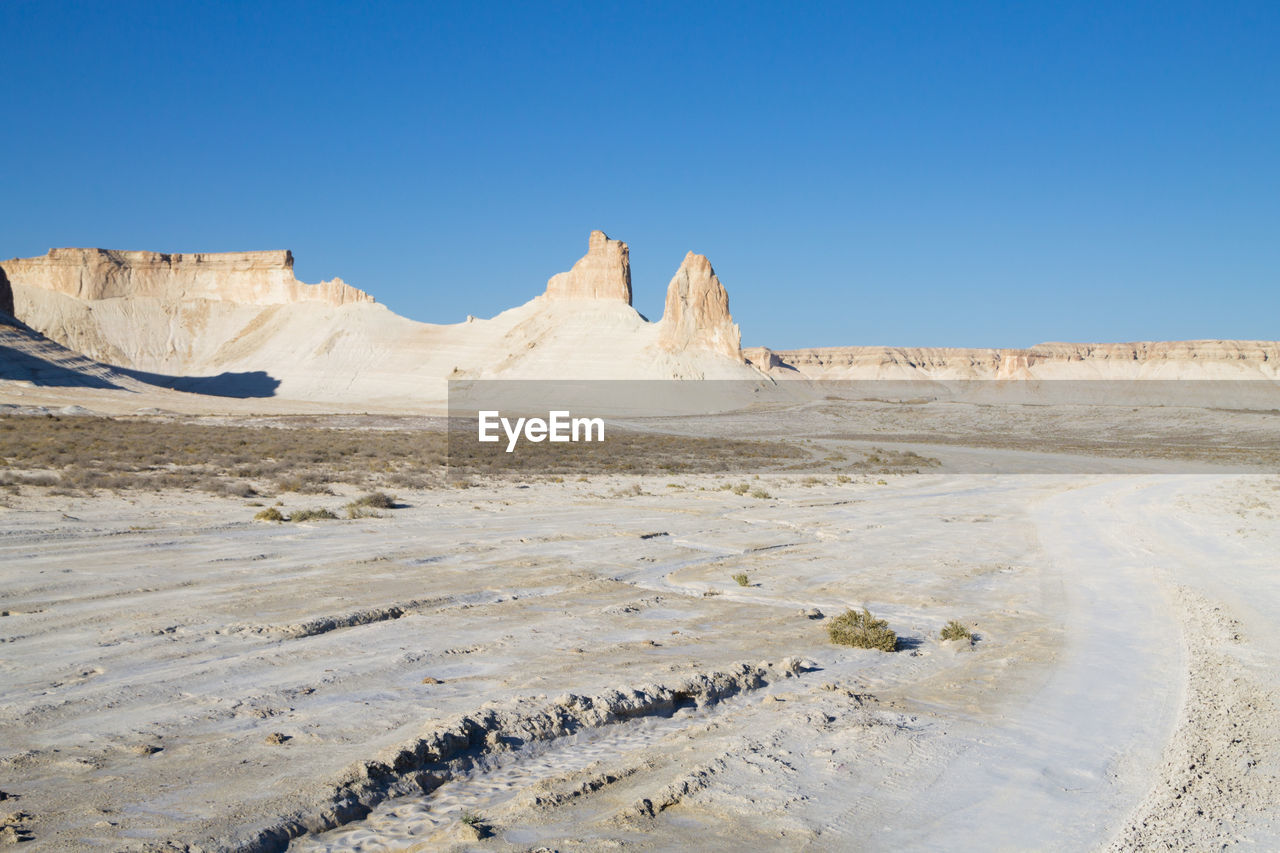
(968, 174)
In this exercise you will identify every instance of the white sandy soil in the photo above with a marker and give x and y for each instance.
(609, 686)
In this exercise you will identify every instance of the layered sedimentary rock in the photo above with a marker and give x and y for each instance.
(697, 311)
(249, 278)
(1208, 359)
(604, 272)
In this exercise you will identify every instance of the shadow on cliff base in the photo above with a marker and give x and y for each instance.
(19, 366)
(6, 294)
(254, 383)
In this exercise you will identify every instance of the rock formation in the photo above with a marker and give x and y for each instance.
(604, 272)
(243, 317)
(697, 311)
(243, 326)
(249, 278)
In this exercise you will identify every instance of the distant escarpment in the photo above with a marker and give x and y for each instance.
(1208, 359)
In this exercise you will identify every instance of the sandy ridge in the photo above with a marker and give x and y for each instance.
(1213, 781)
(458, 744)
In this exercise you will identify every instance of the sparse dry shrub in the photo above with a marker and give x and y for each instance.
(955, 630)
(269, 514)
(317, 514)
(862, 630)
(375, 500)
(40, 478)
(414, 480)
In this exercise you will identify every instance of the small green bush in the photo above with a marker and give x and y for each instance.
(863, 631)
(269, 514)
(742, 579)
(955, 630)
(311, 515)
(472, 819)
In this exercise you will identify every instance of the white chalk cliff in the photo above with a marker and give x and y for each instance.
(244, 312)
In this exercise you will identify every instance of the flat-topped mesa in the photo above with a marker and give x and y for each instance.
(604, 272)
(697, 311)
(1205, 359)
(251, 278)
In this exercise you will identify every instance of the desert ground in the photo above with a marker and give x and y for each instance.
(524, 662)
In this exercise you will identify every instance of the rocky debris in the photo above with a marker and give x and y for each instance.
(697, 311)
(604, 272)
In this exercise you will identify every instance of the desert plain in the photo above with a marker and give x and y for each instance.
(251, 600)
(524, 662)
